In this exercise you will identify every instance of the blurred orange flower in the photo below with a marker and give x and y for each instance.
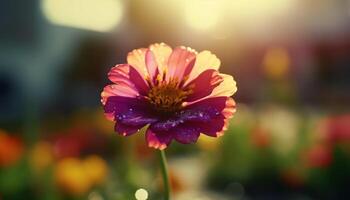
(11, 149)
(260, 137)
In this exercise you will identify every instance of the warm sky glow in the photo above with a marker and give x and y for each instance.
(96, 15)
(205, 15)
(202, 15)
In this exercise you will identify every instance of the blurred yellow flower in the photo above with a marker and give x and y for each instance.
(276, 63)
(41, 156)
(77, 176)
(71, 177)
(96, 169)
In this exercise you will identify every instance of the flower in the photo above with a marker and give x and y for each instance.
(96, 168)
(319, 156)
(41, 156)
(11, 149)
(71, 177)
(260, 137)
(336, 129)
(77, 176)
(179, 93)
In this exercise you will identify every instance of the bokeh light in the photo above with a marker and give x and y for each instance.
(141, 194)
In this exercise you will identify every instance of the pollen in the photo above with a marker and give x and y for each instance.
(167, 96)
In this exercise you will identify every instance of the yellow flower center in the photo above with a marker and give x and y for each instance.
(167, 96)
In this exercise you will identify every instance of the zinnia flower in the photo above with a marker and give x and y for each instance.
(179, 93)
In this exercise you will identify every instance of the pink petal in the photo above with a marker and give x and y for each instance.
(226, 88)
(230, 108)
(117, 90)
(151, 64)
(136, 58)
(203, 85)
(180, 63)
(161, 53)
(127, 75)
(109, 116)
(204, 60)
(158, 140)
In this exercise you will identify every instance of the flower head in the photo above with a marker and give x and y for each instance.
(178, 92)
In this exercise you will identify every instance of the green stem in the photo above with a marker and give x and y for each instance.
(165, 175)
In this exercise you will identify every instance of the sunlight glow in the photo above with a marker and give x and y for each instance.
(96, 15)
(204, 15)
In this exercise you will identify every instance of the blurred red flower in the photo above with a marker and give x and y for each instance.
(338, 129)
(319, 156)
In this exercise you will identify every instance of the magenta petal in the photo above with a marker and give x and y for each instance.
(138, 81)
(126, 130)
(130, 111)
(225, 105)
(213, 128)
(203, 85)
(158, 140)
(218, 102)
(203, 114)
(186, 134)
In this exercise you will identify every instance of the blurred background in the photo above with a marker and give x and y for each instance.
(290, 137)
